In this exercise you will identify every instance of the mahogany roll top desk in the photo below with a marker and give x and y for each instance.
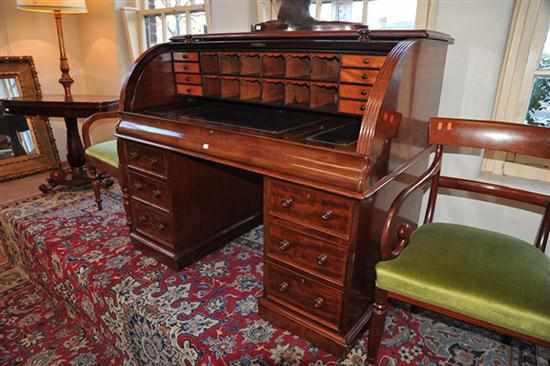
(313, 132)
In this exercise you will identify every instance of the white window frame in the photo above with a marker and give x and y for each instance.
(529, 27)
(426, 12)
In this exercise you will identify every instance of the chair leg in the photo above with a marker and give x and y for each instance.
(376, 330)
(96, 186)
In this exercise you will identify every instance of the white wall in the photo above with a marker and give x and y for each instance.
(480, 29)
(232, 15)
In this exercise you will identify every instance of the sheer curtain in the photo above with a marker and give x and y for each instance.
(268, 10)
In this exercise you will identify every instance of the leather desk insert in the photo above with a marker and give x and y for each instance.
(296, 129)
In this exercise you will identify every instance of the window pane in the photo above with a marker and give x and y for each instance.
(539, 105)
(391, 14)
(313, 8)
(153, 29)
(160, 4)
(176, 24)
(544, 62)
(198, 22)
(357, 12)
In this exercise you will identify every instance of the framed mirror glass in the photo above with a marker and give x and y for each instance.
(27, 145)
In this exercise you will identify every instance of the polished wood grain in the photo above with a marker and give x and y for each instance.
(363, 61)
(513, 138)
(349, 91)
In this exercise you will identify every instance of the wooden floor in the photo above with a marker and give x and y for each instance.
(21, 188)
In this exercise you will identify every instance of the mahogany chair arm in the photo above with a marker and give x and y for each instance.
(389, 248)
(91, 120)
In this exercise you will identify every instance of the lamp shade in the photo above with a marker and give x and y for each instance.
(49, 6)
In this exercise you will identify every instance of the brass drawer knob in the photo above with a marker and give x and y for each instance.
(138, 186)
(287, 203)
(184, 56)
(155, 163)
(366, 61)
(156, 193)
(362, 108)
(318, 302)
(142, 219)
(322, 259)
(327, 215)
(365, 76)
(364, 92)
(133, 155)
(284, 245)
(161, 227)
(283, 287)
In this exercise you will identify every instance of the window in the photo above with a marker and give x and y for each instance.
(163, 19)
(378, 14)
(538, 110)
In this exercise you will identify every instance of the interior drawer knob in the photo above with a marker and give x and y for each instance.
(327, 215)
(283, 287)
(287, 203)
(362, 108)
(365, 76)
(155, 163)
(156, 193)
(318, 302)
(161, 227)
(133, 155)
(284, 245)
(138, 186)
(322, 259)
(366, 61)
(142, 219)
(364, 92)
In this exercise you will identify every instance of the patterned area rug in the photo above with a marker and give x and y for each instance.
(84, 268)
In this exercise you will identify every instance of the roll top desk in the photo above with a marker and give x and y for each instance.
(313, 133)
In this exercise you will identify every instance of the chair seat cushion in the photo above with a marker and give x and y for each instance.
(106, 152)
(482, 274)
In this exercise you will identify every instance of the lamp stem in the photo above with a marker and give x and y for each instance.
(66, 80)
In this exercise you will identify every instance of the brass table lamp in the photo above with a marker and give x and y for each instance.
(57, 7)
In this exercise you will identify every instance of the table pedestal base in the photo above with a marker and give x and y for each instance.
(70, 177)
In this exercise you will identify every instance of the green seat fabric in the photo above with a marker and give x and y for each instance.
(482, 274)
(106, 152)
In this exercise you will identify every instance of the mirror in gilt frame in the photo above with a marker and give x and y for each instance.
(27, 145)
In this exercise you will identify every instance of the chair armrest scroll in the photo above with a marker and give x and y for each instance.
(91, 120)
(389, 248)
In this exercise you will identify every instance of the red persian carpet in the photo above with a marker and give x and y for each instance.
(77, 292)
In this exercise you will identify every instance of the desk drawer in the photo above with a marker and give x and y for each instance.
(186, 89)
(193, 79)
(146, 158)
(306, 253)
(309, 295)
(152, 223)
(149, 189)
(186, 56)
(354, 91)
(187, 67)
(358, 76)
(352, 106)
(363, 61)
(309, 207)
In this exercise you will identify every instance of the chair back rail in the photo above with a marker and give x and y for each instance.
(522, 139)
(501, 136)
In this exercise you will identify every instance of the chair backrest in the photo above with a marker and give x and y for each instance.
(501, 136)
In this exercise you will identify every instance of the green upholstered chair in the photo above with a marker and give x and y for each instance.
(101, 158)
(482, 277)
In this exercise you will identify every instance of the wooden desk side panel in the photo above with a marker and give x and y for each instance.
(150, 82)
(406, 93)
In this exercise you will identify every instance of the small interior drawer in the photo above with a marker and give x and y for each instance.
(352, 106)
(187, 89)
(306, 253)
(354, 91)
(149, 189)
(363, 61)
(186, 56)
(322, 211)
(187, 67)
(152, 223)
(314, 298)
(188, 79)
(358, 76)
(146, 158)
